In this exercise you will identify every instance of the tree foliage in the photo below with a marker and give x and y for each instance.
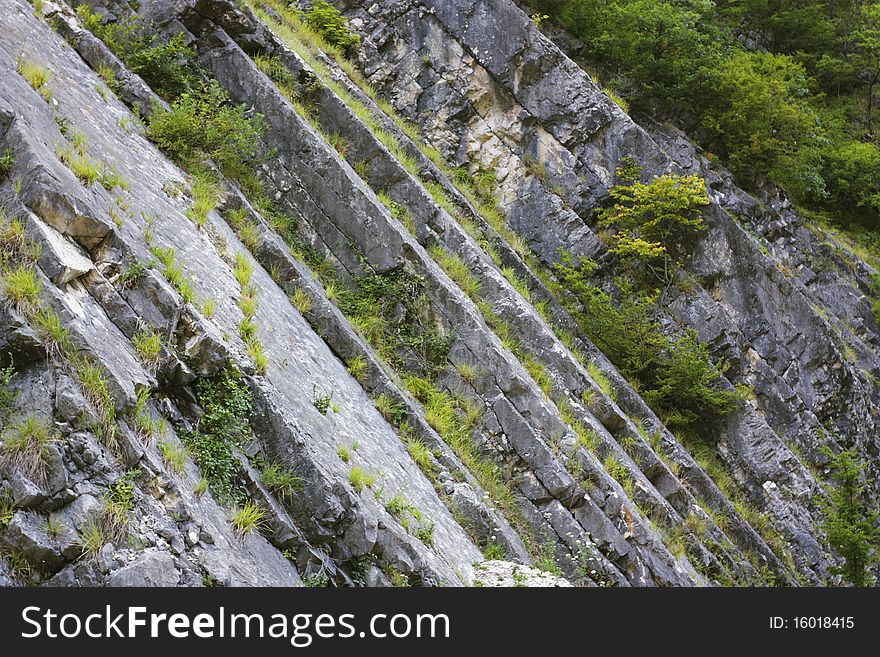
(781, 90)
(675, 375)
(654, 221)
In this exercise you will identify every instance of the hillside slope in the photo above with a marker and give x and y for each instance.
(307, 342)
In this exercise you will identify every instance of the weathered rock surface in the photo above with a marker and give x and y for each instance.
(487, 89)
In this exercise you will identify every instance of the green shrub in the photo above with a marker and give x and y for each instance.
(226, 405)
(397, 299)
(654, 221)
(201, 124)
(675, 374)
(168, 67)
(764, 122)
(851, 519)
(326, 20)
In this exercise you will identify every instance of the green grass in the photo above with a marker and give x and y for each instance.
(466, 371)
(301, 300)
(601, 379)
(344, 453)
(422, 457)
(7, 508)
(518, 283)
(174, 455)
(280, 480)
(457, 270)
(257, 353)
(205, 198)
(539, 373)
(148, 345)
(209, 308)
(22, 287)
(83, 167)
(37, 76)
(357, 367)
(243, 269)
(26, 447)
(359, 478)
(247, 518)
(7, 162)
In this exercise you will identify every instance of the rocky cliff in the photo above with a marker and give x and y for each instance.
(344, 361)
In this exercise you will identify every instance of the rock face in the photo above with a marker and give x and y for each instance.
(496, 435)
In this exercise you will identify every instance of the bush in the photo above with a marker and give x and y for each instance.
(761, 116)
(204, 124)
(226, 403)
(851, 171)
(167, 67)
(851, 518)
(675, 375)
(326, 20)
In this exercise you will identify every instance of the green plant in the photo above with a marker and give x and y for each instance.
(166, 66)
(209, 308)
(654, 221)
(54, 525)
(7, 394)
(22, 287)
(143, 417)
(675, 374)
(301, 300)
(539, 373)
(226, 405)
(280, 480)
(343, 452)
(326, 20)
(7, 508)
(26, 447)
(36, 75)
(247, 518)
(321, 400)
(203, 123)
(173, 455)
(601, 379)
(494, 552)
(243, 269)
(850, 519)
(357, 367)
(457, 270)
(148, 345)
(359, 478)
(7, 162)
(205, 198)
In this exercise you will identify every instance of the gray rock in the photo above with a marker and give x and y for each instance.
(152, 568)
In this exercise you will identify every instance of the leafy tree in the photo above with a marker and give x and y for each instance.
(851, 520)
(867, 41)
(852, 172)
(761, 117)
(655, 220)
